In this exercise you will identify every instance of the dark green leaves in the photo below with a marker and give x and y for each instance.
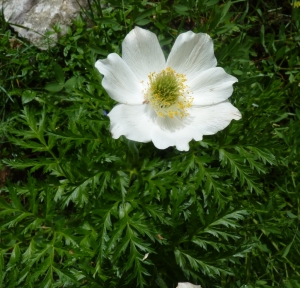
(81, 209)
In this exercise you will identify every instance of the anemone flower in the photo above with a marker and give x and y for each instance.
(169, 102)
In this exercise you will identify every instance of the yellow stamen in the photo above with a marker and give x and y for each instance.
(168, 93)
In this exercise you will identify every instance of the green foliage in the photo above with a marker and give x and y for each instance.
(80, 209)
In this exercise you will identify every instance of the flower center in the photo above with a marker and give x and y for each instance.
(168, 93)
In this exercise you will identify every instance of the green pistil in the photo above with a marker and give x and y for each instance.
(165, 88)
(167, 94)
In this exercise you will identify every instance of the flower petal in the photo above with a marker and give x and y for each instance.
(205, 120)
(135, 122)
(191, 54)
(172, 132)
(142, 52)
(211, 86)
(187, 285)
(119, 81)
(208, 120)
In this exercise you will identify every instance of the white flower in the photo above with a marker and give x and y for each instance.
(167, 102)
(187, 285)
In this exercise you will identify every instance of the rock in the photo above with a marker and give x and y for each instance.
(39, 16)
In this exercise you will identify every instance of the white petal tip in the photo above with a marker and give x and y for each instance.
(184, 147)
(187, 285)
(98, 64)
(237, 115)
